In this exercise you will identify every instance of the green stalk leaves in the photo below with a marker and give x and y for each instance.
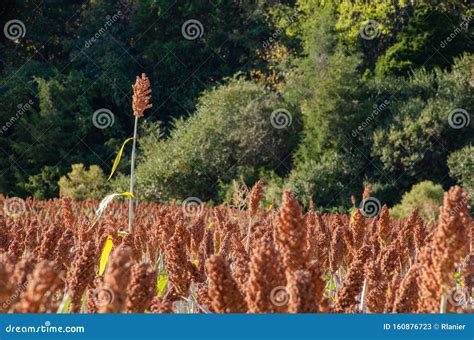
(118, 157)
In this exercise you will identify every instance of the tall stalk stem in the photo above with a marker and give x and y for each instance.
(362, 297)
(132, 178)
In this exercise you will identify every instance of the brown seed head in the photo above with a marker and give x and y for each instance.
(223, 291)
(141, 95)
(141, 288)
(291, 233)
(407, 297)
(352, 285)
(265, 274)
(301, 291)
(82, 274)
(116, 279)
(256, 196)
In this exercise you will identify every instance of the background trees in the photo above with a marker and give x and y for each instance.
(370, 90)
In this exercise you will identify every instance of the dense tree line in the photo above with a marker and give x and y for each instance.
(80, 56)
(325, 97)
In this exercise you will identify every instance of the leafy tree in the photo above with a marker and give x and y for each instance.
(329, 182)
(399, 36)
(461, 167)
(415, 141)
(432, 38)
(231, 130)
(82, 183)
(426, 196)
(76, 58)
(44, 184)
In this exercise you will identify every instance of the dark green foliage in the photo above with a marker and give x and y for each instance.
(461, 167)
(426, 196)
(428, 31)
(44, 184)
(364, 111)
(81, 183)
(328, 181)
(417, 139)
(231, 134)
(77, 57)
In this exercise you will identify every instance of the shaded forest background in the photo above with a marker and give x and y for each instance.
(325, 97)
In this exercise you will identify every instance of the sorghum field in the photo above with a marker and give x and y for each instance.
(196, 259)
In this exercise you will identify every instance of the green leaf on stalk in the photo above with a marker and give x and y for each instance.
(119, 156)
(106, 201)
(104, 258)
(64, 306)
(161, 284)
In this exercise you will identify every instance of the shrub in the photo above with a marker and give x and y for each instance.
(44, 184)
(328, 181)
(414, 43)
(231, 130)
(80, 183)
(426, 196)
(414, 138)
(461, 167)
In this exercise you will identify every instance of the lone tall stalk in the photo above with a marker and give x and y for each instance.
(140, 102)
(132, 178)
